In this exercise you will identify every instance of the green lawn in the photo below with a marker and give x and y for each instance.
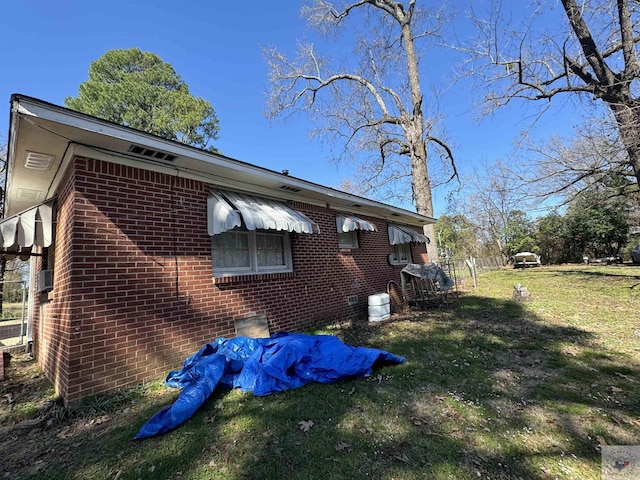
(11, 311)
(492, 388)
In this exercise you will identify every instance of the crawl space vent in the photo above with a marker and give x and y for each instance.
(149, 153)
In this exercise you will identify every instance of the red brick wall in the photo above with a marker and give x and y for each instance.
(53, 312)
(134, 292)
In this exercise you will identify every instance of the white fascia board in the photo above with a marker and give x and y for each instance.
(70, 118)
(11, 155)
(39, 109)
(64, 116)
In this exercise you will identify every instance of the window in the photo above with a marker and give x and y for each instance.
(231, 251)
(348, 226)
(240, 251)
(401, 254)
(400, 239)
(348, 239)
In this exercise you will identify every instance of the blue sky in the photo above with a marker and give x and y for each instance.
(47, 46)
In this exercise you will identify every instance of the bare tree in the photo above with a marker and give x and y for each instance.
(563, 168)
(587, 49)
(372, 102)
(487, 202)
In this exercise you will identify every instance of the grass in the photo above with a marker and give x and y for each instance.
(11, 311)
(492, 388)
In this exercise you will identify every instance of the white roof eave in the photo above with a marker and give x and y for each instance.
(252, 176)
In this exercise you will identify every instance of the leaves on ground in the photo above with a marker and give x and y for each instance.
(305, 425)
(342, 445)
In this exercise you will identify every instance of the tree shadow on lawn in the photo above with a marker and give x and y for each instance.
(527, 392)
(606, 272)
(488, 389)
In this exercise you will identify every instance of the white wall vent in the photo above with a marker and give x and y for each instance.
(45, 280)
(29, 194)
(38, 161)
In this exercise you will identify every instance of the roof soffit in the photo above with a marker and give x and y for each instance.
(45, 128)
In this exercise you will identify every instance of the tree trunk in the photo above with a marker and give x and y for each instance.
(416, 139)
(614, 89)
(628, 121)
(421, 189)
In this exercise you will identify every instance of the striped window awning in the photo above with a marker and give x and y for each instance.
(404, 234)
(227, 210)
(25, 230)
(349, 223)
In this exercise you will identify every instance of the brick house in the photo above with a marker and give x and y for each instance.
(142, 249)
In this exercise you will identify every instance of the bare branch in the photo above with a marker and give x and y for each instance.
(594, 52)
(588, 44)
(371, 105)
(448, 154)
(626, 35)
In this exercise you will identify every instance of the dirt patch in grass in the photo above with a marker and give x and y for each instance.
(24, 396)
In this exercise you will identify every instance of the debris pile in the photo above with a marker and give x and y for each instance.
(521, 294)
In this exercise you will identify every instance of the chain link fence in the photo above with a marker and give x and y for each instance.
(462, 269)
(13, 319)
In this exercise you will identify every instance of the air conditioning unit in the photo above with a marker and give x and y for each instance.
(45, 280)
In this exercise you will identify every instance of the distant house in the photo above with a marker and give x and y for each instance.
(142, 249)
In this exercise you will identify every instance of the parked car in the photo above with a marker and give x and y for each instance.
(635, 254)
(525, 259)
(617, 258)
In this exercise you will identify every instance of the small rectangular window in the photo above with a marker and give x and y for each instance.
(401, 254)
(348, 239)
(271, 250)
(231, 250)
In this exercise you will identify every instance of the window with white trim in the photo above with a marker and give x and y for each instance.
(401, 254)
(348, 239)
(240, 251)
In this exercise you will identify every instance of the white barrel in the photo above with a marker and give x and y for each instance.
(379, 307)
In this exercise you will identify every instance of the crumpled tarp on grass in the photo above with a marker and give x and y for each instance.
(262, 366)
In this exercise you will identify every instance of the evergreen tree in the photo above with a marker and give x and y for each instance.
(138, 89)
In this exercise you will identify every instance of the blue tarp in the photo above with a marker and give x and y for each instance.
(262, 366)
